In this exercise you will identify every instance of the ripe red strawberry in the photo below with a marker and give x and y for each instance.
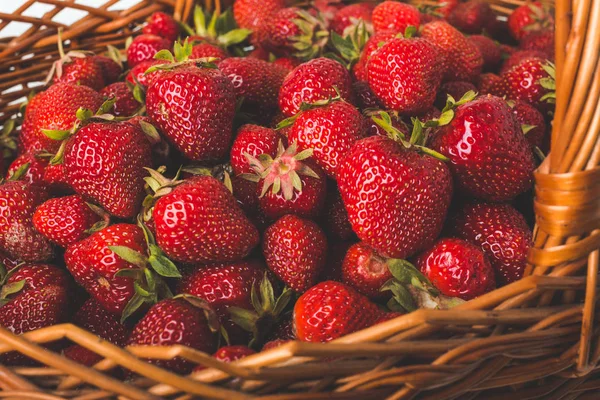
(312, 81)
(489, 155)
(257, 81)
(200, 222)
(471, 17)
(163, 25)
(79, 69)
(144, 47)
(455, 89)
(519, 56)
(170, 322)
(371, 46)
(347, 18)
(486, 82)
(405, 90)
(532, 122)
(125, 104)
(531, 81)
(294, 32)
(540, 41)
(55, 109)
(365, 270)
(64, 220)
(18, 239)
(463, 58)
(253, 14)
(197, 116)
(330, 130)
(529, 17)
(104, 158)
(287, 63)
(295, 250)
(330, 310)
(208, 50)
(457, 268)
(32, 277)
(490, 51)
(92, 317)
(254, 140)
(396, 198)
(35, 170)
(445, 7)
(336, 224)
(233, 353)
(501, 231)
(395, 16)
(111, 70)
(94, 265)
(56, 177)
(224, 286)
(138, 74)
(289, 183)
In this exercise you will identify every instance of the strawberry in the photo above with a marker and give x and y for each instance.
(457, 268)
(365, 270)
(529, 17)
(289, 183)
(371, 46)
(531, 81)
(197, 117)
(92, 317)
(253, 140)
(312, 81)
(330, 130)
(233, 353)
(56, 177)
(79, 69)
(365, 98)
(347, 18)
(65, 220)
(104, 158)
(175, 322)
(138, 74)
(144, 47)
(408, 195)
(287, 63)
(31, 277)
(455, 89)
(36, 167)
(295, 250)
(462, 57)
(163, 25)
(405, 90)
(111, 69)
(519, 56)
(445, 7)
(501, 231)
(395, 16)
(223, 286)
(486, 82)
(18, 238)
(532, 122)
(125, 104)
(274, 344)
(208, 50)
(336, 224)
(199, 222)
(330, 310)
(254, 14)
(55, 109)
(256, 81)
(471, 17)
(490, 51)
(540, 41)
(495, 162)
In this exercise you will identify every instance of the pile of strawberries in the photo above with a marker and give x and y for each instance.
(275, 173)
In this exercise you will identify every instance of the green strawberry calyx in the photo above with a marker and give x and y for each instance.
(309, 106)
(8, 289)
(412, 290)
(549, 83)
(281, 174)
(313, 38)
(268, 311)
(180, 56)
(216, 28)
(152, 267)
(347, 49)
(57, 66)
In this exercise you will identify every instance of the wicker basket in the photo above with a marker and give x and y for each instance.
(535, 338)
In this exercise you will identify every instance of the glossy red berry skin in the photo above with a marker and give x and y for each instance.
(349, 16)
(163, 25)
(144, 47)
(406, 90)
(371, 46)
(395, 16)
(330, 310)
(64, 220)
(503, 234)
(489, 155)
(472, 17)
(207, 50)
(528, 17)
(35, 171)
(171, 322)
(201, 222)
(519, 56)
(94, 265)
(105, 158)
(138, 74)
(529, 115)
(330, 131)
(37, 276)
(295, 250)
(365, 270)
(396, 198)
(194, 108)
(457, 268)
(254, 140)
(125, 104)
(312, 81)
(279, 31)
(82, 71)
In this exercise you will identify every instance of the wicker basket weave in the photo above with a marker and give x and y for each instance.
(536, 338)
